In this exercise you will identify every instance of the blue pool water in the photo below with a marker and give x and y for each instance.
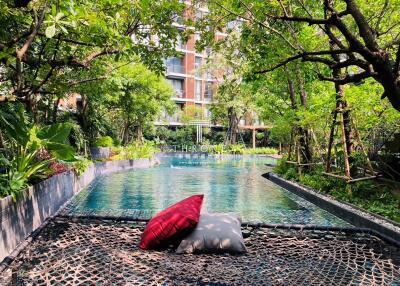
(228, 185)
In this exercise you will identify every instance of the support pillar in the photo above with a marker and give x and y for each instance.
(254, 138)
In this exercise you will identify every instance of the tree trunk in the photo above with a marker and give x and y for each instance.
(232, 135)
(346, 127)
(330, 142)
(305, 152)
(139, 133)
(305, 134)
(125, 134)
(55, 109)
(1, 140)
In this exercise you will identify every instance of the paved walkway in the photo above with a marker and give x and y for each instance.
(104, 253)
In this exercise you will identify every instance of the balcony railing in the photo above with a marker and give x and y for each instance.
(180, 93)
(173, 118)
(208, 96)
(175, 68)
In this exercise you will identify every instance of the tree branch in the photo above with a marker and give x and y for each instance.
(308, 20)
(348, 78)
(72, 41)
(307, 56)
(365, 30)
(351, 62)
(21, 52)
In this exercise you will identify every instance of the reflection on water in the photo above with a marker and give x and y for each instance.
(233, 185)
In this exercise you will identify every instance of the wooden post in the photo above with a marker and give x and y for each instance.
(362, 146)
(332, 133)
(298, 159)
(344, 147)
(290, 146)
(254, 138)
(280, 148)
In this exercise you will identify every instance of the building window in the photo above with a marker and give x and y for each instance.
(178, 87)
(207, 112)
(197, 66)
(198, 89)
(209, 75)
(175, 65)
(208, 91)
(179, 43)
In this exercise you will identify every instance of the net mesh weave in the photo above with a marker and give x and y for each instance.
(104, 253)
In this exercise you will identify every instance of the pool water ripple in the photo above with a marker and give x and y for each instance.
(233, 185)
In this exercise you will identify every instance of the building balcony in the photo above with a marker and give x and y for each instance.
(176, 118)
(179, 94)
(208, 97)
(175, 69)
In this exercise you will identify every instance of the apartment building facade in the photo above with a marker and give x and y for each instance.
(194, 86)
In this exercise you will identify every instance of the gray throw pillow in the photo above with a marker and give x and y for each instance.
(215, 232)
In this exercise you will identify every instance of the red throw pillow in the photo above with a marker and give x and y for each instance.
(172, 223)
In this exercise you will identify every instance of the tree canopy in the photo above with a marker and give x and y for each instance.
(359, 38)
(44, 43)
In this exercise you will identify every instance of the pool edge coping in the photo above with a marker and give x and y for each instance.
(350, 213)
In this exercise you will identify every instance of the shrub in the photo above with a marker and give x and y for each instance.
(370, 195)
(21, 170)
(281, 166)
(264, 150)
(218, 149)
(58, 167)
(134, 151)
(80, 165)
(104, 141)
(236, 149)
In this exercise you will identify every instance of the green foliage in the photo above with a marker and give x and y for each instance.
(23, 167)
(74, 35)
(135, 150)
(104, 141)
(191, 112)
(32, 137)
(373, 196)
(81, 165)
(236, 149)
(261, 150)
(77, 137)
(138, 96)
(219, 149)
(26, 141)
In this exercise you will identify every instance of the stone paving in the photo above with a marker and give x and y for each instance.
(88, 252)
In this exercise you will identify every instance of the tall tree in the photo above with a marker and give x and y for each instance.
(138, 96)
(45, 39)
(365, 34)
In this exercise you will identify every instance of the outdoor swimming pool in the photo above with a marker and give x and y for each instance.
(228, 185)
